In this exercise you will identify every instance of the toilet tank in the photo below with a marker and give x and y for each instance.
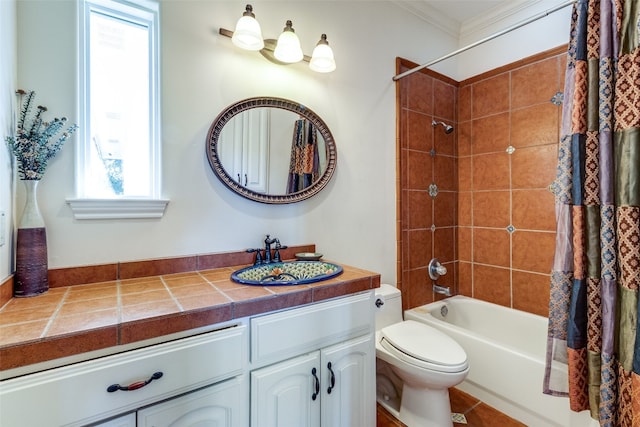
(390, 311)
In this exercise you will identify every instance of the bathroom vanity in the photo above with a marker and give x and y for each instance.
(310, 363)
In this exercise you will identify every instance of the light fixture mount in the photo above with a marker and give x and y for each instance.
(284, 51)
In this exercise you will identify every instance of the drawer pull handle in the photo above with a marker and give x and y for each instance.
(333, 379)
(315, 395)
(134, 386)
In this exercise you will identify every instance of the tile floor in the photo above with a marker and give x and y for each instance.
(478, 414)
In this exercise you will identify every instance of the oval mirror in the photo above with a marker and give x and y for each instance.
(271, 150)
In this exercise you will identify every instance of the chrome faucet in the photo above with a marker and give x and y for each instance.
(444, 290)
(435, 271)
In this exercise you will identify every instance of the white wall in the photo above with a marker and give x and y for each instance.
(545, 33)
(7, 100)
(352, 220)
(548, 32)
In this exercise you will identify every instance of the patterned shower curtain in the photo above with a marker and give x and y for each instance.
(304, 165)
(593, 311)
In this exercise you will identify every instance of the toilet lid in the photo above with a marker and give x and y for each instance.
(416, 342)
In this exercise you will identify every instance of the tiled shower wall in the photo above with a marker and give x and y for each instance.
(427, 182)
(499, 247)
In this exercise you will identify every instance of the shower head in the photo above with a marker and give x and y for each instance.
(447, 128)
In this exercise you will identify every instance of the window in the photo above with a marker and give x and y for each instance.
(118, 158)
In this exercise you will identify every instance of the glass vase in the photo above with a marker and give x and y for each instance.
(32, 273)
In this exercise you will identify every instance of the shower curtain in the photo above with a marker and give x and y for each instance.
(593, 310)
(304, 165)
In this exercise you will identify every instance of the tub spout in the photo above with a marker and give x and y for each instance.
(444, 290)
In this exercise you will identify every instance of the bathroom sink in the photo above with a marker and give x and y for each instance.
(286, 273)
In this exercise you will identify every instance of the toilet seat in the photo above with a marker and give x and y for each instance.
(423, 346)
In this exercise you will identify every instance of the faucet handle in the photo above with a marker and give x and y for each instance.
(276, 252)
(279, 246)
(258, 255)
(436, 269)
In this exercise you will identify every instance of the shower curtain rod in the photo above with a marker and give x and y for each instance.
(486, 39)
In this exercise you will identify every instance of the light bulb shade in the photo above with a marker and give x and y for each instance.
(322, 59)
(248, 34)
(288, 48)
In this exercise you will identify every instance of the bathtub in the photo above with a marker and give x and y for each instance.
(506, 350)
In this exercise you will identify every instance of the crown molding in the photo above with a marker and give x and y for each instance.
(432, 16)
(479, 26)
(504, 15)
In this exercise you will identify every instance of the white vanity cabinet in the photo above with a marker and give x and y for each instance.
(262, 371)
(326, 373)
(219, 405)
(91, 391)
(128, 420)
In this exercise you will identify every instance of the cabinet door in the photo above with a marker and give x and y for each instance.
(255, 162)
(244, 151)
(348, 384)
(219, 405)
(128, 420)
(287, 394)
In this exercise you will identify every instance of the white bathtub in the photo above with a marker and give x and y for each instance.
(506, 350)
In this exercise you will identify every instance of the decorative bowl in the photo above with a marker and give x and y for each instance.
(308, 256)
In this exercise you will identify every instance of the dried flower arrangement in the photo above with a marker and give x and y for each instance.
(31, 145)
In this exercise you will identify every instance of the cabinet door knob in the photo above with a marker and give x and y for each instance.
(134, 386)
(332, 380)
(314, 396)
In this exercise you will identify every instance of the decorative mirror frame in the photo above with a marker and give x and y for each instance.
(227, 114)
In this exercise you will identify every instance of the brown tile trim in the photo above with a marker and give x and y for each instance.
(80, 275)
(272, 303)
(158, 326)
(227, 259)
(353, 286)
(410, 64)
(53, 348)
(156, 267)
(133, 269)
(517, 64)
(211, 261)
(6, 291)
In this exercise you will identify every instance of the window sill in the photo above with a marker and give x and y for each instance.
(117, 208)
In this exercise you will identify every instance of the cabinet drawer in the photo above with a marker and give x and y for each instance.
(289, 333)
(220, 405)
(80, 390)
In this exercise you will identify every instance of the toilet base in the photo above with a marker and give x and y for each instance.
(425, 407)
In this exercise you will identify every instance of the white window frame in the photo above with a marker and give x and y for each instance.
(83, 205)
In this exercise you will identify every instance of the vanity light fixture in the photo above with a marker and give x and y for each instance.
(285, 50)
(322, 59)
(288, 47)
(248, 34)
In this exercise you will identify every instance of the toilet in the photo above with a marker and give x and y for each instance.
(423, 359)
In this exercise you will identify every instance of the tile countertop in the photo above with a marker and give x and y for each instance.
(71, 320)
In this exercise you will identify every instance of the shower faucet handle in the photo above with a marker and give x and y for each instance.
(436, 269)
